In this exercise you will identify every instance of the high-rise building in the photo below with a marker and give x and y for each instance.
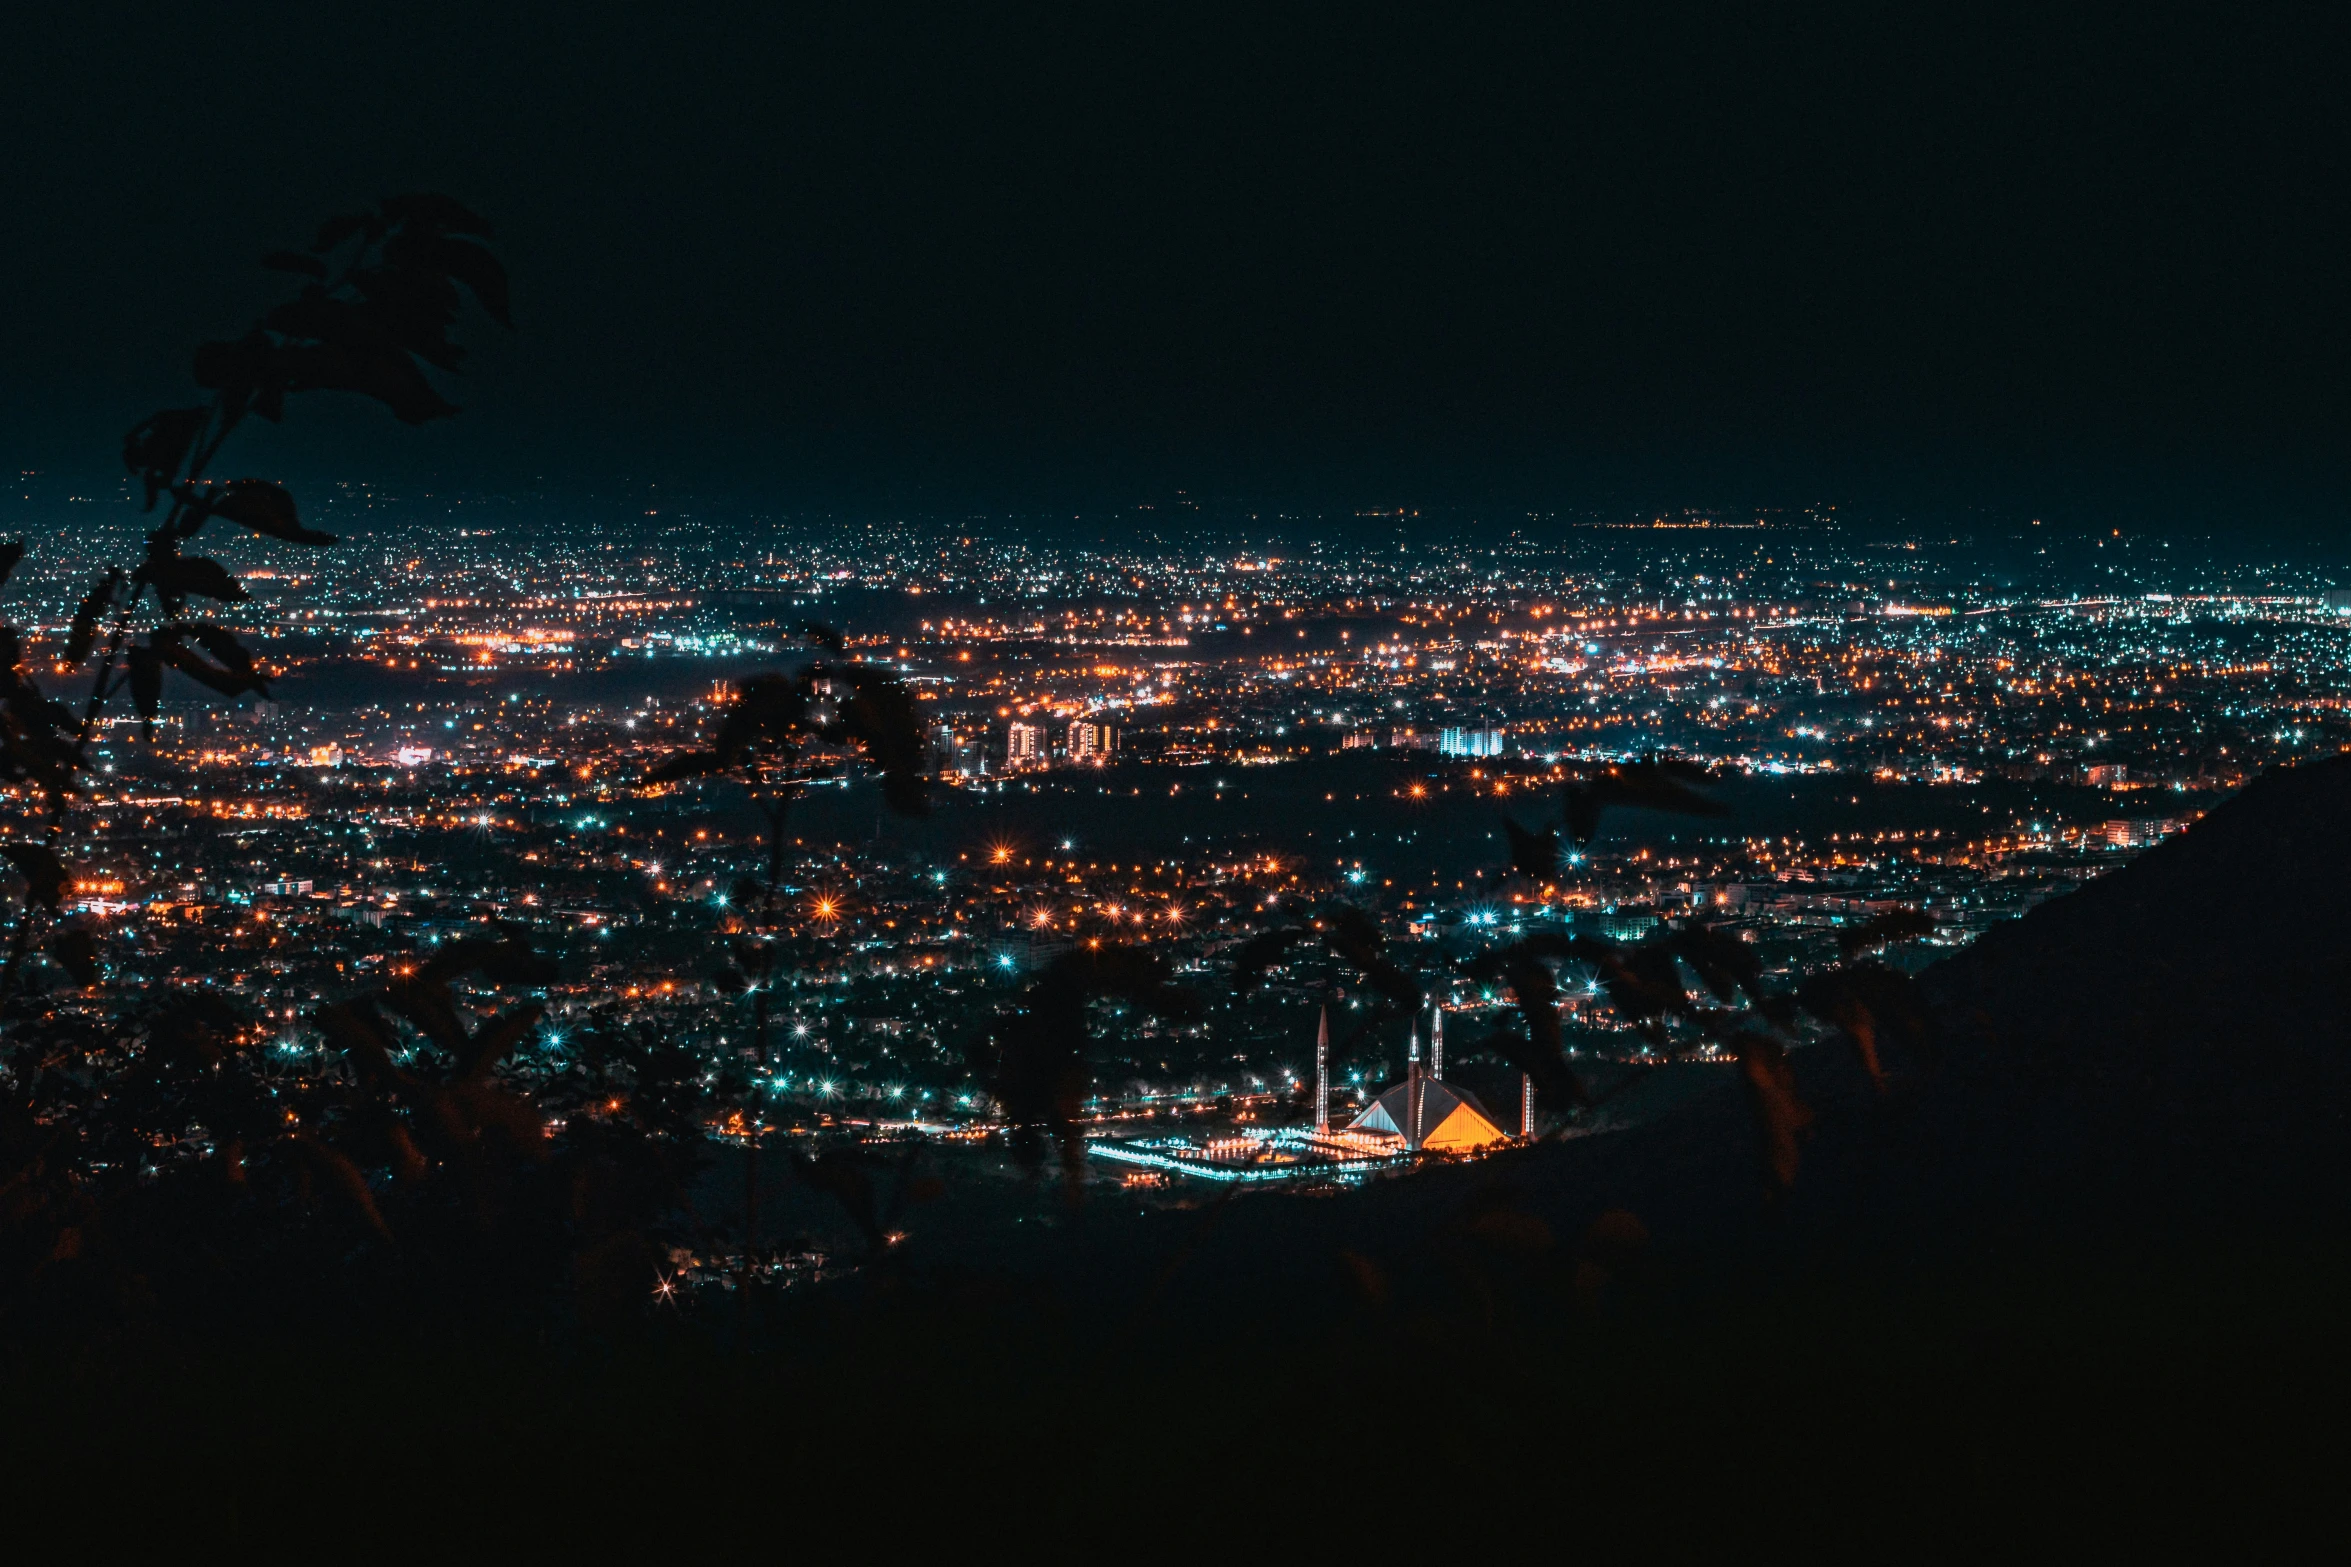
(2138, 834)
(1024, 746)
(1471, 742)
(1091, 742)
(956, 753)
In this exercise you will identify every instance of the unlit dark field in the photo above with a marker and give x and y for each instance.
(1357, 807)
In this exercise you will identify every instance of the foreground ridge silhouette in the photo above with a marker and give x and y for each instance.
(2151, 1065)
(2217, 953)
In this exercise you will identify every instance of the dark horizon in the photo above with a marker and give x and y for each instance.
(2004, 266)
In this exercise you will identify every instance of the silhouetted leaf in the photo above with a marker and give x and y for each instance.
(502, 960)
(265, 508)
(93, 608)
(146, 678)
(496, 1039)
(1872, 1006)
(1367, 1277)
(1888, 929)
(1653, 784)
(223, 645)
(1612, 1247)
(278, 1137)
(175, 576)
(76, 951)
(386, 374)
(44, 872)
(38, 737)
(1644, 983)
(1779, 1113)
(342, 226)
(155, 448)
(1038, 1074)
(1392, 984)
(1509, 1229)
(686, 764)
(474, 267)
(879, 718)
(358, 1030)
(841, 1174)
(220, 366)
(1532, 855)
(228, 680)
(347, 1178)
(1727, 965)
(411, 308)
(1542, 1053)
(487, 1107)
(422, 1000)
(1353, 936)
(1261, 952)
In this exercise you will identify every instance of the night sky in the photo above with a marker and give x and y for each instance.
(943, 261)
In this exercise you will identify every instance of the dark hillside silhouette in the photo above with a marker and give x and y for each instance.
(2144, 1075)
(2223, 954)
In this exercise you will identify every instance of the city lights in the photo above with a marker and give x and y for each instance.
(1961, 749)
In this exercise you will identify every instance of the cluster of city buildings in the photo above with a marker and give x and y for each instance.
(1161, 741)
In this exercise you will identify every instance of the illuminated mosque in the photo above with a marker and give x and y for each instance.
(1424, 1112)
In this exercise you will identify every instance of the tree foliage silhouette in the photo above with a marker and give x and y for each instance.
(1036, 1061)
(1696, 989)
(380, 295)
(1651, 782)
(1694, 986)
(776, 734)
(434, 1159)
(1351, 937)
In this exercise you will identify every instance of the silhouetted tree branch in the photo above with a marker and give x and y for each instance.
(379, 298)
